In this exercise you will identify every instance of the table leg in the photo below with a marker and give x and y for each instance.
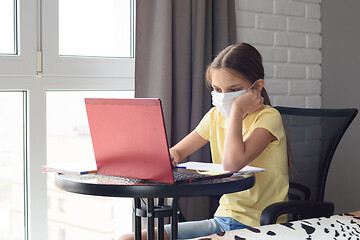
(160, 221)
(137, 205)
(150, 218)
(174, 220)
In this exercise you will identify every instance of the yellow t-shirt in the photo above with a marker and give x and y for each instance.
(270, 186)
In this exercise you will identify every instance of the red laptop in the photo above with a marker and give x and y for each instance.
(129, 140)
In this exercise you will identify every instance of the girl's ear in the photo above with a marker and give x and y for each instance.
(259, 85)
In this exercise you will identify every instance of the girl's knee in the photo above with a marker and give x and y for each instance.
(131, 236)
(128, 236)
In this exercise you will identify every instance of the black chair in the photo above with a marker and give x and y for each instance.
(313, 136)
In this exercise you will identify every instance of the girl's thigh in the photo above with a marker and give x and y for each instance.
(194, 229)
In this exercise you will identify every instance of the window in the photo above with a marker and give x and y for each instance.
(72, 36)
(8, 40)
(11, 165)
(103, 31)
(18, 41)
(44, 76)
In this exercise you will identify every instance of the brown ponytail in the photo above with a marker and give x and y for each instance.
(265, 96)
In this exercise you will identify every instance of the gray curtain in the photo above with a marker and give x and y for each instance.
(175, 41)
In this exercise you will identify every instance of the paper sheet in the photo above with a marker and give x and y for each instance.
(217, 167)
(71, 168)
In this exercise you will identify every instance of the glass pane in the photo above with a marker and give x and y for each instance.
(95, 28)
(7, 27)
(11, 166)
(75, 216)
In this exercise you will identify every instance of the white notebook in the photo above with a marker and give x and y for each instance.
(201, 166)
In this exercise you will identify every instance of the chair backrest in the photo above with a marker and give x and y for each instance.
(313, 136)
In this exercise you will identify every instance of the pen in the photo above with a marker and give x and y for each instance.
(183, 167)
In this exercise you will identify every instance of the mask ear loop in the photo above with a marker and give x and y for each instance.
(251, 86)
(247, 91)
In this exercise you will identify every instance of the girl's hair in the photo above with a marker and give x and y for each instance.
(243, 59)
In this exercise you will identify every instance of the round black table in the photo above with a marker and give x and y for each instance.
(102, 185)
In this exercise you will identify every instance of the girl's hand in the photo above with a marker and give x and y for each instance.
(174, 156)
(189, 144)
(249, 102)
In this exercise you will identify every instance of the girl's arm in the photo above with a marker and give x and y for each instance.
(237, 152)
(189, 144)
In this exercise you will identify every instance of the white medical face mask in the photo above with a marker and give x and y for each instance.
(223, 101)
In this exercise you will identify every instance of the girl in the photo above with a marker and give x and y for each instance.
(242, 129)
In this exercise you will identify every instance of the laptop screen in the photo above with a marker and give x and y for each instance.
(129, 138)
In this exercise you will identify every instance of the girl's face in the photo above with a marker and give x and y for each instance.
(224, 81)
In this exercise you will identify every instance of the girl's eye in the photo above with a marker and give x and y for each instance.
(234, 90)
(217, 90)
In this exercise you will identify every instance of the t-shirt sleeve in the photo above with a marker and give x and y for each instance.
(270, 119)
(203, 129)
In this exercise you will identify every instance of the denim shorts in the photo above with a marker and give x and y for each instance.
(194, 229)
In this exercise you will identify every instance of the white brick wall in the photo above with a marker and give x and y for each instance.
(288, 35)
